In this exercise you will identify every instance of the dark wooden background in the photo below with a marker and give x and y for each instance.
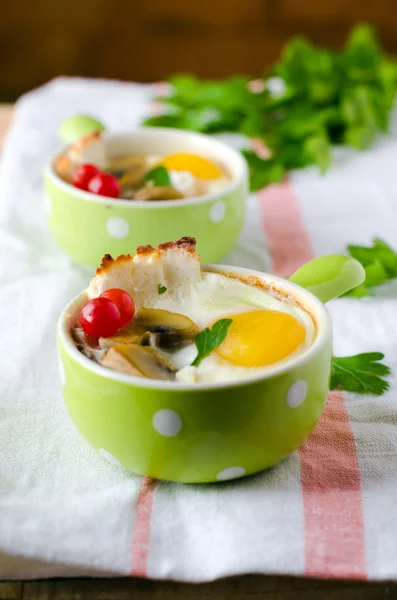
(239, 588)
(145, 40)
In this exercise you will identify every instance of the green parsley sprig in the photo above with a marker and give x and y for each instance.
(380, 263)
(361, 374)
(209, 339)
(158, 176)
(323, 98)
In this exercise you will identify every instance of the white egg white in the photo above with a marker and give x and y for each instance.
(189, 185)
(216, 297)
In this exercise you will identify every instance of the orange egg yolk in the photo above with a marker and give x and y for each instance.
(197, 165)
(261, 337)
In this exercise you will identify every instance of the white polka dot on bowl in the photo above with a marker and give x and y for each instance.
(218, 211)
(62, 374)
(230, 473)
(109, 457)
(167, 422)
(297, 393)
(117, 227)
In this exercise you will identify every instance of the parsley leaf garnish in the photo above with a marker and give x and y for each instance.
(209, 339)
(161, 289)
(324, 98)
(379, 262)
(361, 374)
(158, 176)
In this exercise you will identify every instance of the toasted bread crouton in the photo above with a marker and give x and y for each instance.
(172, 265)
(87, 149)
(64, 167)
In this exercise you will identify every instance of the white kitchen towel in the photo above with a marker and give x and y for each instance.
(329, 510)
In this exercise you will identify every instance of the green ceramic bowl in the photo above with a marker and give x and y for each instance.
(201, 432)
(86, 226)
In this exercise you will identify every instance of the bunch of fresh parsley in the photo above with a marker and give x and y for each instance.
(311, 99)
(379, 262)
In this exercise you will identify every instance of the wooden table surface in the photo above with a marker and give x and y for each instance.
(250, 587)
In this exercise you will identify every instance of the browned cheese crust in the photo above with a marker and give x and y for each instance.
(86, 139)
(187, 244)
(145, 250)
(108, 262)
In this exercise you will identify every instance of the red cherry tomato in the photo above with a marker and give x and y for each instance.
(83, 175)
(100, 318)
(104, 184)
(123, 301)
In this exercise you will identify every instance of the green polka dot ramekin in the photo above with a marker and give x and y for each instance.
(199, 432)
(87, 226)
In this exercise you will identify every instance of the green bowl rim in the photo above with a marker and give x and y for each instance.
(317, 310)
(237, 181)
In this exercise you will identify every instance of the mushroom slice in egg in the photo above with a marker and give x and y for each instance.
(140, 361)
(173, 329)
(124, 164)
(157, 328)
(87, 346)
(159, 192)
(132, 333)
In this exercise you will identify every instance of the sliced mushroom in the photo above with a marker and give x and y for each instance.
(155, 340)
(115, 361)
(127, 194)
(166, 329)
(133, 333)
(156, 328)
(87, 346)
(82, 338)
(132, 178)
(164, 339)
(140, 361)
(126, 163)
(154, 319)
(78, 335)
(158, 192)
